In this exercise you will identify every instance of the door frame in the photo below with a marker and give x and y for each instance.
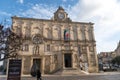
(64, 60)
(40, 65)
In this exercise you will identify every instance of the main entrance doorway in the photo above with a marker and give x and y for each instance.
(37, 62)
(68, 60)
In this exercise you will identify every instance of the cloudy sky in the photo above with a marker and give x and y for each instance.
(104, 13)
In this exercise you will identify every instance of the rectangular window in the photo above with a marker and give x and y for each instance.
(79, 51)
(25, 47)
(47, 47)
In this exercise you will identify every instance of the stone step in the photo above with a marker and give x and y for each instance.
(70, 72)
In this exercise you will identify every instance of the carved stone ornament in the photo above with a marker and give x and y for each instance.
(37, 39)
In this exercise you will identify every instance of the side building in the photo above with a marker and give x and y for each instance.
(105, 58)
(56, 44)
(117, 50)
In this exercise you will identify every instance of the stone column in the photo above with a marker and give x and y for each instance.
(43, 65)
(80, 34)
(83, 34)
(59, 32)
(22, 66)
(51, 63)
(41, 28)
(62, 32)
(71, 33)
(51, 30)
(88, 58)
(86, 33)
(63, 61)
(92, 33)
(96, 58)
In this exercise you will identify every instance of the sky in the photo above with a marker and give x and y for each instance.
(105, 14)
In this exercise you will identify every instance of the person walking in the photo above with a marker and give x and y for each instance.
(38, 75)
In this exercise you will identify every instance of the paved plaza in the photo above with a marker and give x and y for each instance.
(97, 76)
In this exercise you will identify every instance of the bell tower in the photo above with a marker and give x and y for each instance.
(61, 15)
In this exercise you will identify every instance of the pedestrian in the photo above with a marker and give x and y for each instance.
(38, 75)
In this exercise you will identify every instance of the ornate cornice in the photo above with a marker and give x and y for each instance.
(46, 20)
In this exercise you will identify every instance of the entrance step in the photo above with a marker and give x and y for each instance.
(70, 72)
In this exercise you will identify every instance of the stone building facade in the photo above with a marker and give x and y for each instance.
(105, 58)
(56, 44)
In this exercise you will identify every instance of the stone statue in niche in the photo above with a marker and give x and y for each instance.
(36, 49)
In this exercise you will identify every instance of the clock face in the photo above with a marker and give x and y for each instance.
(61, 15)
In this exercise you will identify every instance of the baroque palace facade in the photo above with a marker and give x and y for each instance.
(56, 44)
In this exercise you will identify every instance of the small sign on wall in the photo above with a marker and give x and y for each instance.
(14, 70)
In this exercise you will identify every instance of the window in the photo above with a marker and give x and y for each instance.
(25, 47)
(47, 47)
(27, 32)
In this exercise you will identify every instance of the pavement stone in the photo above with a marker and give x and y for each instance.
(90, 76)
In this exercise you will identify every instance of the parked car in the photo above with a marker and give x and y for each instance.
(106, 68)
(113, 68)
(109, 68)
